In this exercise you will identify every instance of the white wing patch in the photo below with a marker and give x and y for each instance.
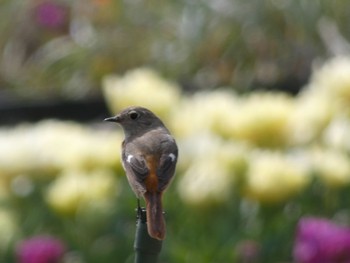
(130, 156)
(172, 157)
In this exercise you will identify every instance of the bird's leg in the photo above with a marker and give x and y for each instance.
(141, 212)
(139, 209)
(138, 204)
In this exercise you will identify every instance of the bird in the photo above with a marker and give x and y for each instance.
(149, 157)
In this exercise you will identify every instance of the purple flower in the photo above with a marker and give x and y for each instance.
(321, 241)
(40, 249)
(50, 14)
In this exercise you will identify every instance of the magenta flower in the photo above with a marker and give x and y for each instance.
(321, 241)
(40, 249)
(50, 14)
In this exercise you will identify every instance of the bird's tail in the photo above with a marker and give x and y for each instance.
(155, 218)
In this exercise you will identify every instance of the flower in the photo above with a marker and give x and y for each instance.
(206, 182)
(326, 97)
(311, 115)
(59, 145)
(141, 87)
(76, 190)
(51, 146)
(206, 112)
(273, 177)
(263, 120)
(50, 14)
(337, 134)
(40, 249)
(332, 166)
(14, 157)
(212, 168)
(333, 79)
(320, 240)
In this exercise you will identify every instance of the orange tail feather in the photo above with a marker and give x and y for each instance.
(155, 218)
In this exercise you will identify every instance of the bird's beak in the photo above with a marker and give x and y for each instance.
(113, 119)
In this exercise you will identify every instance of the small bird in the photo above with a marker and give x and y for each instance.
(149, 157)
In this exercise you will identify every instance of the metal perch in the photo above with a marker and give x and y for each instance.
(146, 248)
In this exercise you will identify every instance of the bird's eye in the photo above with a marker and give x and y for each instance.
(134, 115)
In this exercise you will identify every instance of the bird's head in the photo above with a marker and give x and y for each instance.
(136, 120)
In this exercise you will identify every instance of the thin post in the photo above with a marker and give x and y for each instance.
(146, 248)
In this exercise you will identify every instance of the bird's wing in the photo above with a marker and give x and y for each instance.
(136, 171)
(136, 165)
(166, 168)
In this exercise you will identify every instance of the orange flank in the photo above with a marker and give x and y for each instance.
(151, 180)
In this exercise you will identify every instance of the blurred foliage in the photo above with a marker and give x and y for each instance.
(250, 167)
(63, 48)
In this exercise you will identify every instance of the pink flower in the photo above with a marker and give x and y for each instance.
(50, 14)
(321, 241)
(40, 249)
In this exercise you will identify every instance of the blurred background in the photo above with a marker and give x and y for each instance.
(257, 94)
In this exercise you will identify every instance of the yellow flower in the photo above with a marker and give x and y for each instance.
(273, 177)
(75, 190)
(52, 146)
(63, 145)
(55, 144)
(15, 156)
(141, 87)
(332, 166)
(312, 113)
(337, 134)
(205, 112)
(205, 182)
(188, 119)
(213, 166)
(263, 120)
(103, 149)
(333, 78)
